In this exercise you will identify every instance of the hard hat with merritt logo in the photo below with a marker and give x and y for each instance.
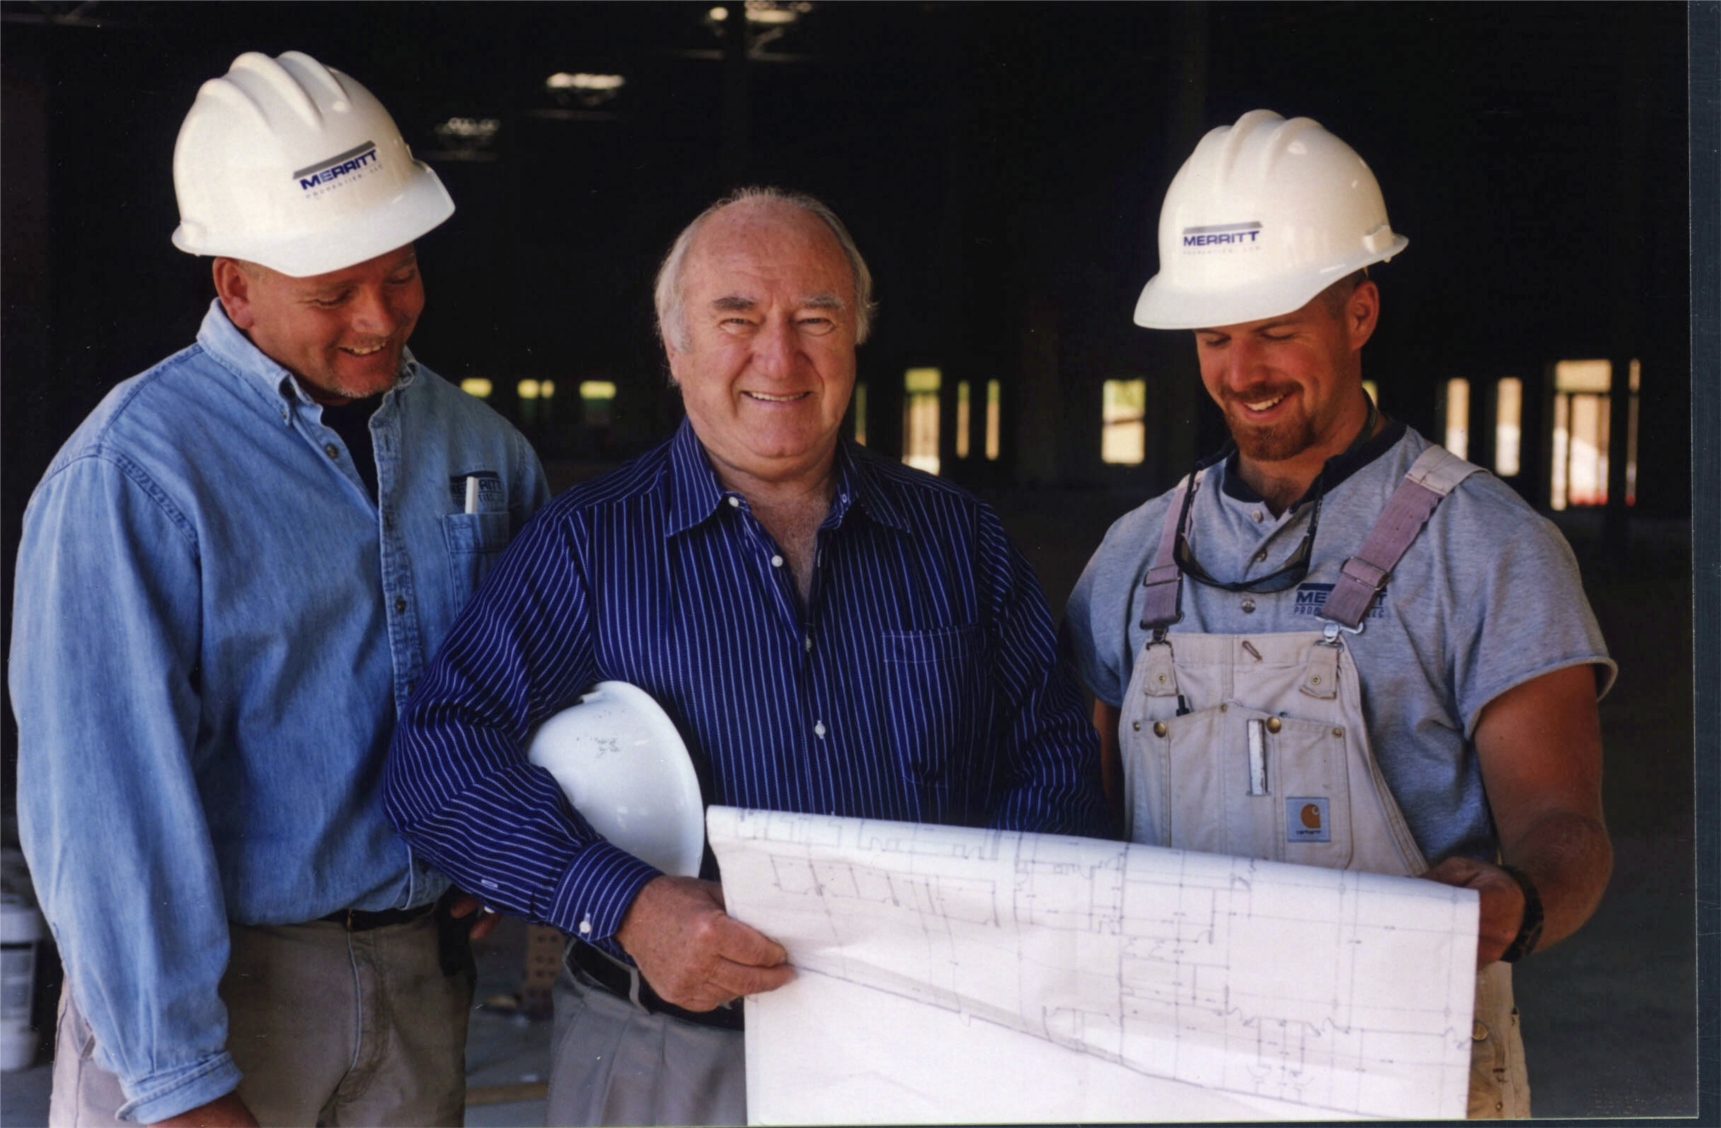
(1264, 215)
(294, 165)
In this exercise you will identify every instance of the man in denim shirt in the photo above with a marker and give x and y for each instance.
(230, 579)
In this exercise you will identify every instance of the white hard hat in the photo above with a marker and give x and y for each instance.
(623, 767)
(288, 163)
(1264, 215)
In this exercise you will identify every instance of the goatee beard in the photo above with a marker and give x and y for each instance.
(1274, 442)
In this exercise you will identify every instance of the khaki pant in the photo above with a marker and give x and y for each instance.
(613, 1063)
(328, 1027)
(1499, 1083)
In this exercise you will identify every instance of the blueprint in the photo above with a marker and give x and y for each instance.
(948, 974)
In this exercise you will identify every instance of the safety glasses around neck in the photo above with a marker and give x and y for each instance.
(1298, 565)
(1286, 577)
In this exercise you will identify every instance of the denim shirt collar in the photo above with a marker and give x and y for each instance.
(695, 493)
(228, 345)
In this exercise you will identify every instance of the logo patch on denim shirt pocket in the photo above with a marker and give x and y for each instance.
(491, 495)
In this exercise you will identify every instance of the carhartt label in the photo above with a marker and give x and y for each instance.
(1306, 819)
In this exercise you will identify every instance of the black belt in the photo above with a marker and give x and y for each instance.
(359, 920)
(626, 982)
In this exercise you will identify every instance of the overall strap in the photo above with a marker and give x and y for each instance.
(1434, 474)
(1161, 606)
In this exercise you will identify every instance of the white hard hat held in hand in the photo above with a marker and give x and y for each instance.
(622, 765)
(1264, 215)
(291, 164)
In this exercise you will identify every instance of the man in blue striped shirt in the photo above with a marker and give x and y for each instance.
(830, 631)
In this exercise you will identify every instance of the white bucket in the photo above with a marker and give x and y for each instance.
(20, 929)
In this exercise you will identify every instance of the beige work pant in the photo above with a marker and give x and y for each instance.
(328, 1027)
(613, 1063)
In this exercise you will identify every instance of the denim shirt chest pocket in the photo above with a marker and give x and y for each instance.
(475, 542)
(936, 694)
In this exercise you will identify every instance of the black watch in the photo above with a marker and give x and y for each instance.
(1530, 931)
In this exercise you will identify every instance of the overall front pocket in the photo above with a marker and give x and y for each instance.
(1238, 781)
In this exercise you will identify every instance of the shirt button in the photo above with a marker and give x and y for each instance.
(585, 928)
(332, 450)
(809, 644)
(1248, 607)
(819, 730)
(399, 604)
(776, 561)
(1259, 516)
(1261, 557)
(734, 502)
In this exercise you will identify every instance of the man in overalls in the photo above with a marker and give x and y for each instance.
(1335, 643)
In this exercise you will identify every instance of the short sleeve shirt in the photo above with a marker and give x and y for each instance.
(1487, 597)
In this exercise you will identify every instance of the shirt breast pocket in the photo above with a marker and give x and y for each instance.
(475, 542)
(936, 699)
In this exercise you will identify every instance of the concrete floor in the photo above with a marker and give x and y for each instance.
(1609, 1015)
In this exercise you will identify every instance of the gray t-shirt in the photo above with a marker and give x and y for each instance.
(1487, 598)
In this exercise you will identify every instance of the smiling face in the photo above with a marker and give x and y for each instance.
(767, 360)
(342, 333)
(1291, 386)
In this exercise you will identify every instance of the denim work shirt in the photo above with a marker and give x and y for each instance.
(214, 626)
(921, 683)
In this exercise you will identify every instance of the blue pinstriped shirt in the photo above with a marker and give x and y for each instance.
(921, 683)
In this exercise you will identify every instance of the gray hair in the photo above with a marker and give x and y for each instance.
(672, 319)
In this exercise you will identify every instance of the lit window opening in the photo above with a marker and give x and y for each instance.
(1635, 377)
(1582, 420)
(860, 412)
(1508, 426)
(994, 418)
(477, 386)
(920, 418)
(534, 399)
(1458, 417)
(962, 419)
(1373, 391)
(597, 402)
(1123, 430)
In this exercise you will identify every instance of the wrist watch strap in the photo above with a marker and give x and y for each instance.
(1530, 931)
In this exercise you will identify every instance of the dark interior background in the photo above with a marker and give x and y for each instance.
(1001, 166)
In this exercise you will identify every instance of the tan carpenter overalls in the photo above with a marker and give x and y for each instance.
(1254, 745)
